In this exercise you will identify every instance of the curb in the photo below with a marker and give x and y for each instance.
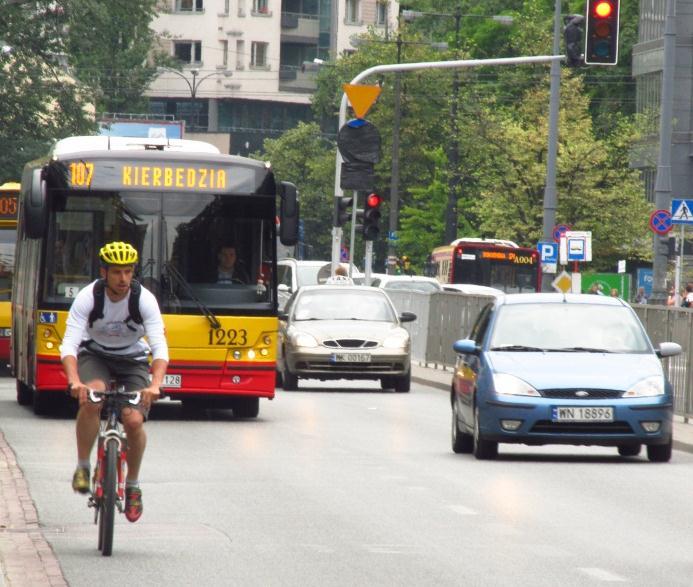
(677, 444)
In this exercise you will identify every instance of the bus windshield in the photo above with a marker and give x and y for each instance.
(183, 241)
(8, 236)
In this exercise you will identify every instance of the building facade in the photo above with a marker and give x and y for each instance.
(248, 66)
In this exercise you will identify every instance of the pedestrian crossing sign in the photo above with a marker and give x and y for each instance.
(682, 211)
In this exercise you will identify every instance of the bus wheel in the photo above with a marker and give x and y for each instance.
(42, 403)
(246, 407)
(290, 380)
(24, 394)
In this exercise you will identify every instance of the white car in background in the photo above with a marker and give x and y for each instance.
(472, 289)
(293, 274)
(405, 283)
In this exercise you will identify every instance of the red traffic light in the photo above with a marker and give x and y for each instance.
(603, 9)
(373, 201)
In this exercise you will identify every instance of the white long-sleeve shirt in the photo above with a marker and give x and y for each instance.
(111, 332)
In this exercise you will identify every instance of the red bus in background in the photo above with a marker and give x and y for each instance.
(8, 235)
(496, 263)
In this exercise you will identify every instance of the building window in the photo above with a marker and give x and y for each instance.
(380, 13)
(240, 54)
(188, 51)
(352, 12)
(227, 6)
(225, 53)
(258, 57)
(189, 5)
(260, 7)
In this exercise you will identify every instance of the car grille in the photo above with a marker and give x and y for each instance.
(328, 366)
(571, 393)
(350, 343)
(548, 427)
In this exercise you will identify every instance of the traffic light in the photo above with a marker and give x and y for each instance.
(601, 34)
(341, 210)
(572, 34)
(371, 217)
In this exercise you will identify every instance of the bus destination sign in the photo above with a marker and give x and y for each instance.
(8, 206)
(509, 256)
(147, 176)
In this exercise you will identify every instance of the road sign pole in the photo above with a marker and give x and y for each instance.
(352, 240)
(368, 263)
(679, 265)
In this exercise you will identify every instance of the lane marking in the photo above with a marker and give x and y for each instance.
(602, 575)
(463, 510)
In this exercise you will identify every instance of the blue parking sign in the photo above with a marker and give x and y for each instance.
(548, 252)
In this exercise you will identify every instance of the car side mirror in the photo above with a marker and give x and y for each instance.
(407, 317)
(283, 287)
(668, 349)
(465, 346)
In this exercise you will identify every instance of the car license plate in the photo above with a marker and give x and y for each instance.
(351, 358)
(173, 380)
(582, 414)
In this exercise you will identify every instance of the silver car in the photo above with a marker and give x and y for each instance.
(344, 332)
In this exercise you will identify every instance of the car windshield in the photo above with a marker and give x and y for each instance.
(343, 304)
(422, 286)
(565, 327)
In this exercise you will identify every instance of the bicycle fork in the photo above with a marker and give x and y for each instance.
(99, 471)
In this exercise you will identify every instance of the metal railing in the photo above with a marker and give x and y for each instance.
(443, 318)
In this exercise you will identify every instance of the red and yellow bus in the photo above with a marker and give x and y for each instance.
(178, 202)
(496, 263)
(8, 235)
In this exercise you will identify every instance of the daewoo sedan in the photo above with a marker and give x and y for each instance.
(344, 332)
(561, 369)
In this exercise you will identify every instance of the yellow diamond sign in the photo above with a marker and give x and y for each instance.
(563, 282)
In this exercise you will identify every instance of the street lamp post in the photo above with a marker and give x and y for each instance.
(194, 86)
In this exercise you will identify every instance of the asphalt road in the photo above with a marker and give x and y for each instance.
(349, 486)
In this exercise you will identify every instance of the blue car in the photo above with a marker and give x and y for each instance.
(561, 369)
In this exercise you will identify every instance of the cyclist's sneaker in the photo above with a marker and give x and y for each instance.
(80, 480)
(133, 503)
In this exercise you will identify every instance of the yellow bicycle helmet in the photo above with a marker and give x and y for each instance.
(118, 253)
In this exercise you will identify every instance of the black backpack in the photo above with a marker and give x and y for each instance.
(133, 303)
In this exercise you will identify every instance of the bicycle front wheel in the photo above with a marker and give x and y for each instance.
(108, 501)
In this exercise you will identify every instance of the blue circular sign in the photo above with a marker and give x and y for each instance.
(559, 230)
(660, 221)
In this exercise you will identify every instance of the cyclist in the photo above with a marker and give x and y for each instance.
(109, 346)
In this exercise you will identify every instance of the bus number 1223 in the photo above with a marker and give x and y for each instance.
(229, 337)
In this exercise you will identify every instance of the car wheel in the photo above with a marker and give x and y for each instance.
(659, 453)
(461, 441)
(290, 380)
(387, 382)
(403, 383)
(629, 450)
(483, 449)
(25, 395)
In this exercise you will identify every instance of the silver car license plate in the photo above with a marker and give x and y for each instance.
(582, 414)
(350, 358)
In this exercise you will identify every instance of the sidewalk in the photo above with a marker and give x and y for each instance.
(441, 378)
(26, 558)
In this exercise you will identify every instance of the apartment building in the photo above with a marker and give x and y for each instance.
(248, 65)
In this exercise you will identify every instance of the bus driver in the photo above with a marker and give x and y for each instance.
(103, 342)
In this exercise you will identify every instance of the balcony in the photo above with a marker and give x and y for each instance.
(300, 28)
(294, 78)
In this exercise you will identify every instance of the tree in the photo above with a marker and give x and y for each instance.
(114, 51)
(39, 100)
(303, 156)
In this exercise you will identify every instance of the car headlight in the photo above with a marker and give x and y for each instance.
(647, 387)
(304, 339)
(505, 384)
(396, 341)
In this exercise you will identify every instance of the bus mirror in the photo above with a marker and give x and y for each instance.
(35, 206)
(288, 214)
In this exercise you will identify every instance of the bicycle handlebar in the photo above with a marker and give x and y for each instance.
(96, 397)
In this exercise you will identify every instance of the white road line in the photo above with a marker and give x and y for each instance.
(463, 510)
(602, 575)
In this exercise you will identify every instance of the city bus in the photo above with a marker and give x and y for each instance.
(500, 264)
(179, 203)
(8, 235)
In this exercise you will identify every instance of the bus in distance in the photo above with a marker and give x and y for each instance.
(500, 264)
(8, 235)
(182, 205)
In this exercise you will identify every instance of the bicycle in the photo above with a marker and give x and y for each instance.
(108, 480)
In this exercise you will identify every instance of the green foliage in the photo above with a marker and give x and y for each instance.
(39, 101)
(112, 49)
(303, 156)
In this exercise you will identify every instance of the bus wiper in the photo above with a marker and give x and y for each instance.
(518, 348)
(180, 280)
(579, 349)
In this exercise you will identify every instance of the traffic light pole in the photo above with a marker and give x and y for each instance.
(401, 67)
